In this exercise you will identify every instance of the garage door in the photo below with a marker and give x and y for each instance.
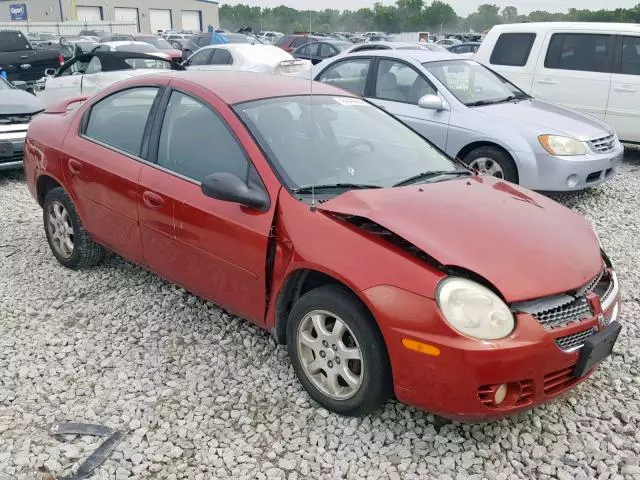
(126, 15)
(88, 14)
(191, 20)
(160, 20)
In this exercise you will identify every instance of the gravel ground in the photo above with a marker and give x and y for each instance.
(206, 395)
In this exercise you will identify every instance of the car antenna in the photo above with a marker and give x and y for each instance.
(313, 130)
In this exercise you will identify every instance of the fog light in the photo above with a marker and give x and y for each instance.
(501, 393)
(572, 180)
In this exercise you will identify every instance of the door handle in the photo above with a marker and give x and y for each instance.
(547, 81)
(75, 166)
(152, 200)
(625, 88)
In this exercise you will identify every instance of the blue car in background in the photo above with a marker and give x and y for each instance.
(199, 40)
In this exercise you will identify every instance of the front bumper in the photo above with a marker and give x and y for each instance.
(460, 381)
(542, 171)
(12, 157)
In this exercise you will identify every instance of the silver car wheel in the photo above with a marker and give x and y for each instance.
(330, 355)
(60, 229)
(487, 166)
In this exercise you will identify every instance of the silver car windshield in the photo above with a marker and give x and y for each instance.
(323, 140)
(472, 83)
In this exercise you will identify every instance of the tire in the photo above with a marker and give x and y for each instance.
(493, 155)
(361, 333)
(84, 252)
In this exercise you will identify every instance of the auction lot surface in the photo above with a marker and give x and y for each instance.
(206, 395)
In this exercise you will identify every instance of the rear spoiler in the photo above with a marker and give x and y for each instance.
(62, 106)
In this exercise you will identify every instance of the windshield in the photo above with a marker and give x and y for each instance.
(4, 84)
(472, 83)
(157, 42)
(324, 140)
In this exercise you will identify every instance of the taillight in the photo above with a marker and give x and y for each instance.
(61, 59)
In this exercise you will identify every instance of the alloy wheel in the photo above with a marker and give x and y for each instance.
(60, 229)
(330, 355)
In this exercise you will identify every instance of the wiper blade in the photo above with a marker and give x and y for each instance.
(334, 186)
(430, 174)
(493, 102)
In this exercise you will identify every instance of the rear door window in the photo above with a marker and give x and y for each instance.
(580, 51)
(512, 49)
(119, 120)
(350, 75)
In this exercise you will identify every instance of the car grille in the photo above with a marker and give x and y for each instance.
(16, 119)
(572, 342)
(561, 310)
(16, 157)
(603, 144)
(556, 382)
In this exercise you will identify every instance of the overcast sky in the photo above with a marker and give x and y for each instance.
(462, 7)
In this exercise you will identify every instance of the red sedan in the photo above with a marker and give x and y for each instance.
(384, 266)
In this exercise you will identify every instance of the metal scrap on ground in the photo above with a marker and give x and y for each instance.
(93, 461)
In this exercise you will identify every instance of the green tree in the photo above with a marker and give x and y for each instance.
(484, 18)
(509, 14)
(440, 14)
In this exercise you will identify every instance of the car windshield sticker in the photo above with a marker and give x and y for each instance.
(349, 101)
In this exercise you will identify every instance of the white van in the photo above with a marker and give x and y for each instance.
(591, 67)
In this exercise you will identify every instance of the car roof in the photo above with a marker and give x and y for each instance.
(122, 43)
(592, 26)
(420, 55)
(236, 87)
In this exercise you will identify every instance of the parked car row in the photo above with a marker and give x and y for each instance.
(330, 223)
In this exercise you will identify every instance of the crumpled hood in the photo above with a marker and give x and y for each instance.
(18, 102)
(547, 118)
(525, 244)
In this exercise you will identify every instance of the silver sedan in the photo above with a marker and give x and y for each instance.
(473, 114)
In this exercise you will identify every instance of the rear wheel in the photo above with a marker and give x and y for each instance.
(337, 351)
(68, 240)
(492, 161)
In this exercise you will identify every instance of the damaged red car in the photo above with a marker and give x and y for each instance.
(385, 267)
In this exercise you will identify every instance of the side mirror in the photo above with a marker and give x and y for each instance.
(230, 188)
(19, 84)
(50, 72)
(431, 102)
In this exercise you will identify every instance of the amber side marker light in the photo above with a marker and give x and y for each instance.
(421, 347)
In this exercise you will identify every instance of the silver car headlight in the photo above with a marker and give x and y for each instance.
(562, 146)
(473, 309)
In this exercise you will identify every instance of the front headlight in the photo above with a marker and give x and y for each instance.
(473, 309)
(557, 145)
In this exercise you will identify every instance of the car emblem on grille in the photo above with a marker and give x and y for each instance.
(596, 310)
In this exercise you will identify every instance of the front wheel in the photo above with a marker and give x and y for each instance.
(492, 161)
(337, 351)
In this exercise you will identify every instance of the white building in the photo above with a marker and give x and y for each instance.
(149, 15)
